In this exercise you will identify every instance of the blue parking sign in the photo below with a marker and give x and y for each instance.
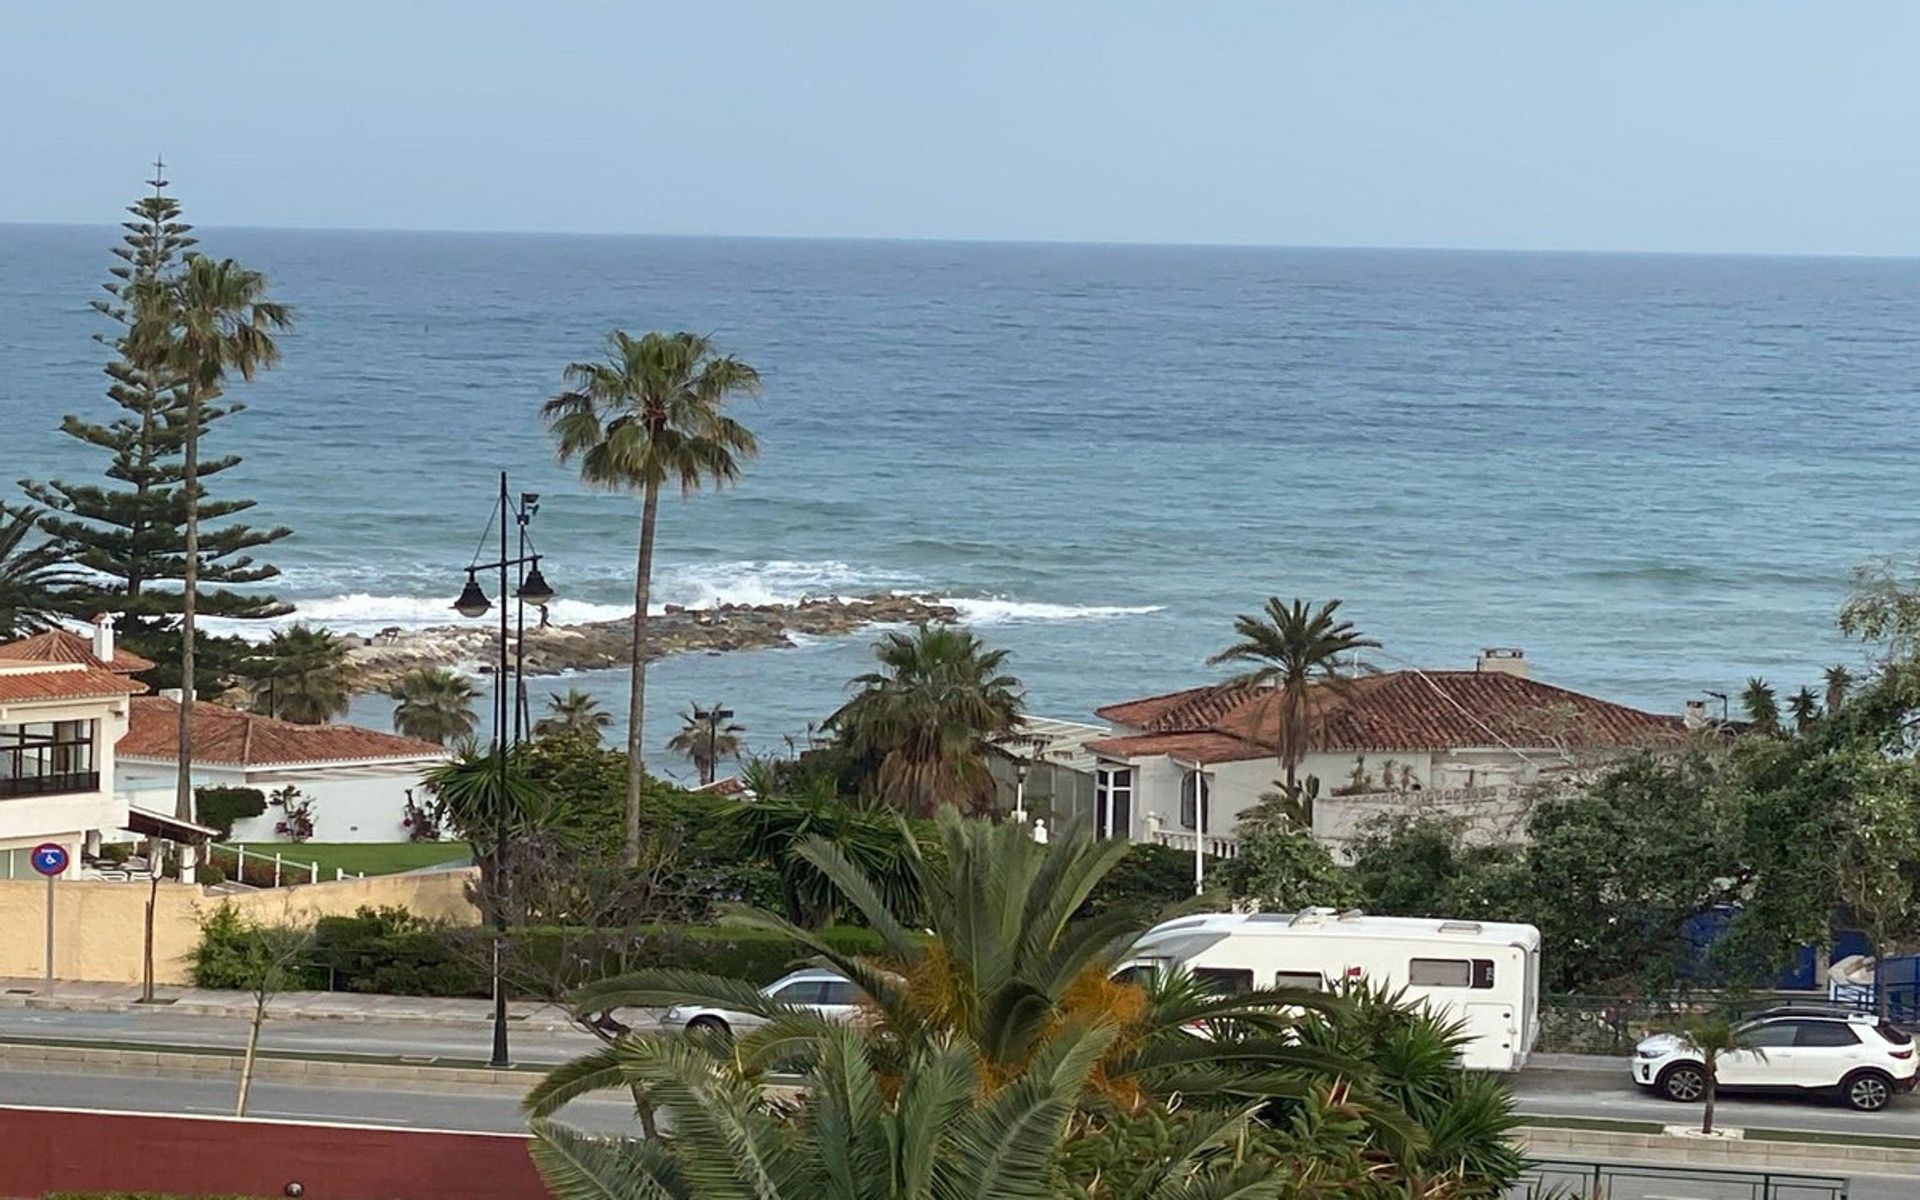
(49, 858)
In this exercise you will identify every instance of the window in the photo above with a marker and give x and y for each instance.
(1451, 972)
(1312, 981)
(1113, 802)
(47, 757)
(1893, 1034)
(1770, 1036)
(1826, 1033)
(805, 991)
(1224, 981)
(1195, 785)
(839, 991)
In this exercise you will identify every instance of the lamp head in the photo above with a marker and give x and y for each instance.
(534, 589)
(472, 602)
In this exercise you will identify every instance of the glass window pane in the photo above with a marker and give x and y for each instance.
(1312, 981)
(1440, 972)
(1826, 1033)
(1773, 1034)
(1227, 981)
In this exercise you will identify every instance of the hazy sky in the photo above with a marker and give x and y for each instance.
(1579, 124)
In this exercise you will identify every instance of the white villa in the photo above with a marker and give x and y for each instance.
(64, 704)
(1185, 765)
(358, 780)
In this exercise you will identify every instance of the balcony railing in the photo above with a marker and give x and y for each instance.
(50, 785)
(1217, 846)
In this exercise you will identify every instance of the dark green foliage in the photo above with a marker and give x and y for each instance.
(1287, 870)
(392, 952)
(878, 842)
(130, 528)
(1150, 878)
(220, 807)
(36, 581)
(234, 953)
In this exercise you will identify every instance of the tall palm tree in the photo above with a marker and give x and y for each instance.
(1838, 680)
(1763, 710)
(435, 705)
(653, 412)
(924, 721)
(32, 575)
(706, 742)
(211, 322)
(1293, 649)
(306, 676)
(574, 713)
(1804, 707)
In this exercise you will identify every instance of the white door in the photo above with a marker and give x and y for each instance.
(1765, 1058)
(1825, 1052)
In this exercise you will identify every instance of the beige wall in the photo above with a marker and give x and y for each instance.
(99, 926)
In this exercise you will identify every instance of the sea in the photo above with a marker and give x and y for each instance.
(1653, 474)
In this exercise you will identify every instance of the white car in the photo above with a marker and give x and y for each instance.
(824, 992)
(1863, 1059)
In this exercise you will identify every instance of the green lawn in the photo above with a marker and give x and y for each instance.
(372, 858)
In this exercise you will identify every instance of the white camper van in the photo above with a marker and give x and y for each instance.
(1484, 974)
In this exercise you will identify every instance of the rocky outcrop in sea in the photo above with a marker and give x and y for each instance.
(385, 657)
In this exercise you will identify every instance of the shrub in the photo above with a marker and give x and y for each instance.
(227, 956)
(1148, 879)
(220, 807)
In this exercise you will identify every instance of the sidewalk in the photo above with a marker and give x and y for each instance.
(79, 996)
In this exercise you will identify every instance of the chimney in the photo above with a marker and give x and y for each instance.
(1502, 660)
(1694, 716)
(103, 639)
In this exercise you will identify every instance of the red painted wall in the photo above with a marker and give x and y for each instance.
(46, 1150)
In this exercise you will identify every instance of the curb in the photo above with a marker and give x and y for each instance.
(16, 1054)
(544, 1023)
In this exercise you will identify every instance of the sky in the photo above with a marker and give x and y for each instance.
(1545, 124)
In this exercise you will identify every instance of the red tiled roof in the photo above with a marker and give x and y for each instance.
(1395, 711)
(63, 682)
(229, 736)
(65, 646)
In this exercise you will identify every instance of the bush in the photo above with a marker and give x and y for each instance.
(1148, 879)
(228, 954)
(391, 952)
(220, 807)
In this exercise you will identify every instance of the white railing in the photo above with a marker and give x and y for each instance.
(1212, 844)
(286, 871)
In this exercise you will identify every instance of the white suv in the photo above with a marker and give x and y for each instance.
(823, 992)
(1863, 1059)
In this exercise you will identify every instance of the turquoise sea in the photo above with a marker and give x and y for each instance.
(1651, 473)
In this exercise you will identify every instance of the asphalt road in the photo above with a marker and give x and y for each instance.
(1591, 1094)
(412, 1039)
(486, 1110)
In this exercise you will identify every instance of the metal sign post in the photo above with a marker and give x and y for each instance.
(50, 859)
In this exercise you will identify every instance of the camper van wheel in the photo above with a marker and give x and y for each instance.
(1683, 1083)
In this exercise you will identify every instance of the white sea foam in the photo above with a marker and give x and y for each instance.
(999, 610)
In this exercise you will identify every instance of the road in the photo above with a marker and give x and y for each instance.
(409, 1039)
(487, 1110)
(1589, 1094)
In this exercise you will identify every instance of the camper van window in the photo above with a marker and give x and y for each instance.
(1196, 801)
(1450, 972)
(1223, 981)
(1312, 981)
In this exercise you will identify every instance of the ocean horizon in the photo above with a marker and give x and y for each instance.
(1651, 472)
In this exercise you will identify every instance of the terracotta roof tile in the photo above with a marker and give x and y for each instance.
(1395, 711)
(42, 682)
(65, 646)
(229, 736)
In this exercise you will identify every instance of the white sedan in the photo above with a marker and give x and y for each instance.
(819, 991)
(1862, 1059)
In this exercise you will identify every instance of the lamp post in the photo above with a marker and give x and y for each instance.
(710, 766)
(473, 602)
(1020, 792)
(1725, 716)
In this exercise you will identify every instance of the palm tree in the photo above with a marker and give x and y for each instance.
(923, 722)
(1804, 707)
(306, 674)
(435, 705)
(210, 322)
(1294, 649)
(1763, 710)
(575, 713)
(1839, 679)
(1710, 1035)
(650, 414)
(31, 575)
(706, 740)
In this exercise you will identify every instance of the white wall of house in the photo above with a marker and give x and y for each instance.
(67, 818)
(351, 803)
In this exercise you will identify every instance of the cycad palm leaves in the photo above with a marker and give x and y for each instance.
(1293, 648)
(653, 412)
(924, 720)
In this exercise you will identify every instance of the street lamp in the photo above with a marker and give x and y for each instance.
(712, 716)
(473, 602)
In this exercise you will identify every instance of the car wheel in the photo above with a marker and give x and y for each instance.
(1683, 1083)
(712, 1025)
(1867, 1091)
